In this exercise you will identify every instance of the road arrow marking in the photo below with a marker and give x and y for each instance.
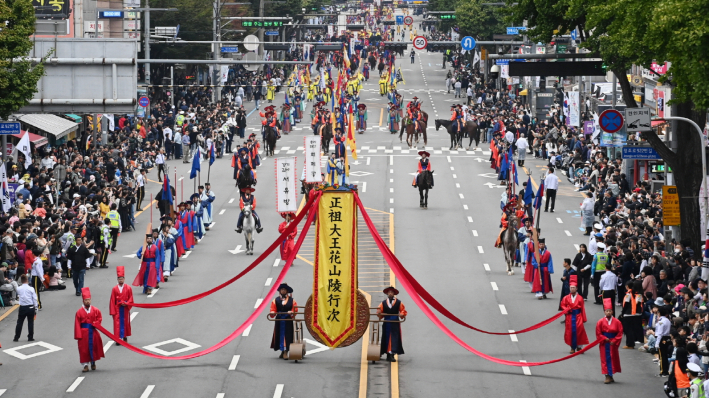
(320, 347)
(237, 250)
(488, 175)
(131, 256)
(491, 185)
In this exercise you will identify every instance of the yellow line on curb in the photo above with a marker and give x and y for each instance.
(145, 208)
(381, 117)
(8, 312)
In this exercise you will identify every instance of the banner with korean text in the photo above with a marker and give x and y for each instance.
(312, 159)
(335, 270)
(285, 185)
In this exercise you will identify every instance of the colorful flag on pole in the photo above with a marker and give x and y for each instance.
(195, 164)
(212, 156)
(538, 199)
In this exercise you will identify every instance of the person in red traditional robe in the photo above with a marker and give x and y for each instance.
(89, 339)
(542, 286)
(572, 303)
(610, 331)
(120, 305)
(288, 243)
(187, 226)
(147, 275)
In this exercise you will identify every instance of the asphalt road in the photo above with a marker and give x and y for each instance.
(448, 248)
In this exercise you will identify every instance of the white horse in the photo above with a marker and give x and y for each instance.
(249, 225)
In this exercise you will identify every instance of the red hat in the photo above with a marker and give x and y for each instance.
(425, 153)
(391, 289)
(290, 213)
(573, 281)
(120, 271)
(415, 98)
(607, 304)
(286, 106)
(249, 190)
(362, 106)
(85, 293)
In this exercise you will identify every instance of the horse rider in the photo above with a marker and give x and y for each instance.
(339, 141)
(253, 145)
(316, 115)
(509, 209)
(423, 164)
(414, 114)
(248, 199)
(457, 118)
(270, 120)
(244, 158)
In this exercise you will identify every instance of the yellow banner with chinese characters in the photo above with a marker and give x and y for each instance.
(335, 270)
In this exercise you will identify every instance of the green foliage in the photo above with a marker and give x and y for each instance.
(478, 21)
(18, 80)
(195, 20)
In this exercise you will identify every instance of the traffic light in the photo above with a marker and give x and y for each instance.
(542, 83)
(442, 46)
(398, 48)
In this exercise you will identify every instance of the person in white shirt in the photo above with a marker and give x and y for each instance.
(160, 161)
(522, 145)
(28, 308)
(140, 184)
(608, 284)
(37, 274)
(551, 184)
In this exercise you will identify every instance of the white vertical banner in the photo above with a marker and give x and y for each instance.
(330, 30)
(574, 108)
(352, 45)
(111, 121)
(24, 147)
(505, 71)
(224, 73)
(312, 167)
(4, 193)
(285, 185)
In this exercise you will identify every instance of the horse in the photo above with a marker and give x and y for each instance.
(509, 242)
(411, 133)
(380, 67)
(325, 131)
(424, 182)
(249, 225)
(244, 178)
(470, 128)
(269, 138)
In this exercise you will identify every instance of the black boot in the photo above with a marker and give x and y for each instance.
(259, 229)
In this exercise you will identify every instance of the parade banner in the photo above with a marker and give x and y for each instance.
(571, 102)
(312, 166)
(335, 270)
(286, 199)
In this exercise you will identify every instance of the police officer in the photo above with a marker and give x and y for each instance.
(598, 268)
(115, 219)
(28, 308)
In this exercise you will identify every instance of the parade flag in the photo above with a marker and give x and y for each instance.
(538, 199)
(476, 58)
(286, 199)
(211, 155)
(528, 193)
(312, 168)
(195, 164)
(4, 194)
(166, 191)
(351, 141)
(24, 147)
(334, 316)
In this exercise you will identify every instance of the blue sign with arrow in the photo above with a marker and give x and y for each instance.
(514, 30)
(399, 19)
(573, 34)
(468, 43)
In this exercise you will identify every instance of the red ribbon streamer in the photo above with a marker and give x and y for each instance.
(251, 318)
(248, 269)
(413, 293)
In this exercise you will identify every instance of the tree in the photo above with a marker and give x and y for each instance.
(478, 21)
(18, 79)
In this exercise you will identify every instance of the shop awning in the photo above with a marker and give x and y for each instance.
(523, 92)
(54, 125)
(37, 140)
(656, 123)
(75, 118)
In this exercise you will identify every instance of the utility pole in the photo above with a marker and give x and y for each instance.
(216, 47)
(146, 26)
(261, 4)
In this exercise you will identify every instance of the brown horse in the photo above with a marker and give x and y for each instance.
(411, 133)
(509, 242)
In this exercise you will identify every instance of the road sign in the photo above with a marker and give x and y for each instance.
(670, 205)
(573, 34)
(230, 49)
(399, 19)
(610, 121)
(144, 101)
(409, 20)
(468, 43)
(637, 119)
(514, 30)
(420, 42)
(640, 153)
(271, 33)
(7, 128)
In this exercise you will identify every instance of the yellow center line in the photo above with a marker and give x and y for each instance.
(381, 117)
(145, 208)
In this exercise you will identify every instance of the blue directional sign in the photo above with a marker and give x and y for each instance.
(611, 121)
(230, 49)
(271, 33)
(502, 61)
(640, 153)
(399, 19)
(573, 34)
(110, 14)
(514, 30)
(468, 43)
(7, 128)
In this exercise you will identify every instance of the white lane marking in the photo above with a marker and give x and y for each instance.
(577, 246)
(234, 362)
(513, 337)
(391, 160)
(391, 200)
(487, 267)
(368, 159)
(525, 369)
(187, 254)
(231, 200)
(220, 395)
(268, 282)
(73, 385)
(276, 262)
(107, 346)
(480, 249)
(470, 219)
(452, 168)
(494, 286)
(147, 391)
(455, 176)
(475, 233)
(559, 220)
(391, 189)
(247, 331)
(391, 210)
(391, 171)
(364, 186)
(503, 310)
(465, 207)
(133, 315)
(461, 196)
(568, 233)
(258, 302)
(154, 292)
(222, 212)
(2, 392)
(279, 391)
(449, 159)
(457, 185)
(391, 180)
